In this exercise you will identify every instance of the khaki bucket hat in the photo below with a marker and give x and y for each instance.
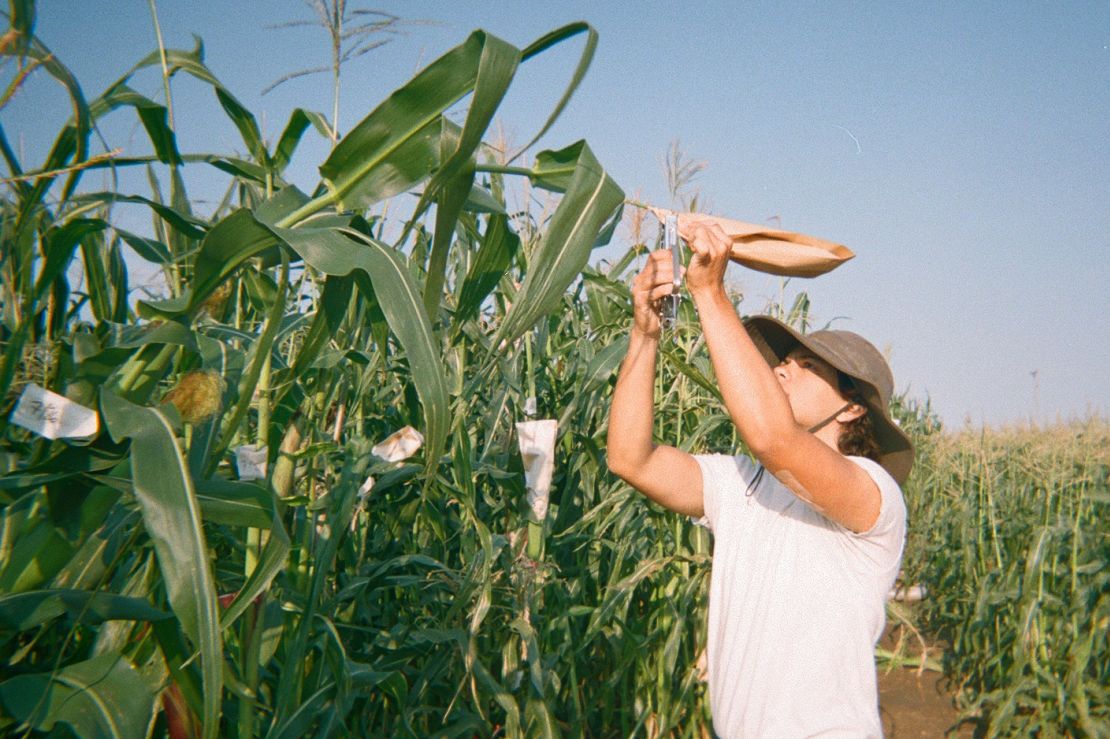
(853, 355)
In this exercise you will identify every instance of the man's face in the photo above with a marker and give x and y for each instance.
(810, 385)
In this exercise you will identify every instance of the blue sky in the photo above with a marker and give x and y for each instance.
(960, 149)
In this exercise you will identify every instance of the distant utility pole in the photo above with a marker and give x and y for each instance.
(1036, 397)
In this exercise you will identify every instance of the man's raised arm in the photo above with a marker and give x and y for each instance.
(665, 474)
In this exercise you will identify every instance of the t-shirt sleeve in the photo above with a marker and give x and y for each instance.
(882, 543)
(724, 479)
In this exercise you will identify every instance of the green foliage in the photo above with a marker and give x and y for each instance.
(344, 594)
(1008, 534)
(103, 696)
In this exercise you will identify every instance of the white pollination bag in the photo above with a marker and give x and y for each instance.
(400, 445)
(537, 448)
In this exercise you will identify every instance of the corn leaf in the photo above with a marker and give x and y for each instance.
(299, 120)
(546, 42)
(183, 223)
(588, 206)
(341, 252)
(497, 64)
(452, 197)
(101, 697)
(397, 144)
(192, 63)
(495, 254)
(154, 117)
(164, 490)
(22, 611)
(149, 249)
(31, 548)
(71, 145)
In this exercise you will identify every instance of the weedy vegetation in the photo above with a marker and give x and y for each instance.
(154, 582)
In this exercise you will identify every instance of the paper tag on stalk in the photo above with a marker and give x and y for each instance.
(53, 416)
(537, 448)
(400, 445)
(250, 460)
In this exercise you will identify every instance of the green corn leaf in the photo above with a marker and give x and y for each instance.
(582, 215)
(481, 201)
(231, 242)
(497, 64)
(71, 145)
(339, 253)
(32, 550)
(245, 122)
(154, 117)
(192, 63)
(540, 722)
(238, 168)
(603, 364)
(397, 144)
(183, 223)
(89, 561)
(239, 236)
(478, 670)
(332, 308)
(96, 276)
(692, 372)
(117, 280)
(22, 15)
(554, 170)
(301, 720)
(61, 242)
(234, 503)
(546, 42)
(164, 490)
(101, 697)
(22, 611)
(452, 197)
(342, 500)
(246, 504)
(149, 249)
(271, 561)
(22, 189)
(299, 121)
(261, 290)
(260, 350)
(499, 246)
(177, 60)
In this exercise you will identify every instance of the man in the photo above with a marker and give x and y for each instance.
(803, 557)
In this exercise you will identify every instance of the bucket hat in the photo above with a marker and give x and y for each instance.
(853, 355)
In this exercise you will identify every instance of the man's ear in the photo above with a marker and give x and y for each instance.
(851, 413)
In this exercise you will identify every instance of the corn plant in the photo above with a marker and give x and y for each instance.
(142, 560)
(1012, 544)
(229, 555)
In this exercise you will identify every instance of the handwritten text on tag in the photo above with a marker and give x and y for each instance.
(53, 416)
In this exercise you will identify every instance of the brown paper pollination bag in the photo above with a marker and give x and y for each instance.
(770, 250)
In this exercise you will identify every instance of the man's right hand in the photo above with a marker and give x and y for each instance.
(654, 281)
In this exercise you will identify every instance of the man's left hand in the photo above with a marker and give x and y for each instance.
(711, 248)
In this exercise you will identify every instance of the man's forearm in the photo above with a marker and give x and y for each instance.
(631, 416)
(752, 395)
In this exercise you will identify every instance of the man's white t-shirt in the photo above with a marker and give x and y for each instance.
(796, 606)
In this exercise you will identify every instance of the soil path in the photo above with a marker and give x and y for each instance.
(916, 703)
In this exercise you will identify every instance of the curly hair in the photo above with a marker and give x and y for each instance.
(857, 437)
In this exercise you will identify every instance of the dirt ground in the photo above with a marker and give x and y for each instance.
(915, 704)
